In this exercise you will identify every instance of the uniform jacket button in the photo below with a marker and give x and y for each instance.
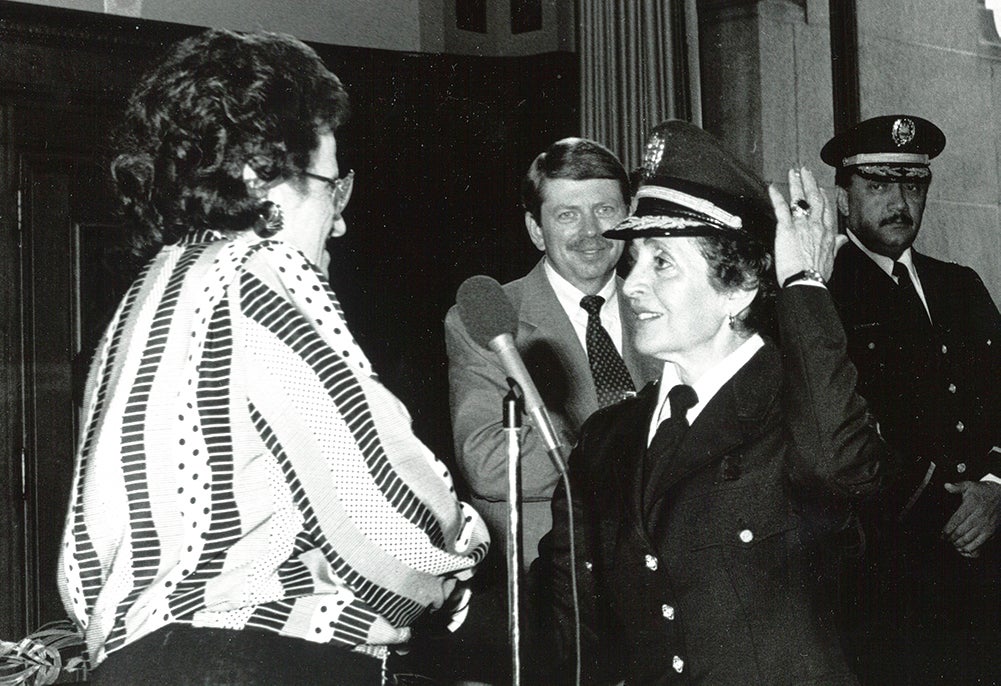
(667, 611)
(961, 467)
(587, 565)
(952, 388)
(945, 349)
(960, 426)
(678, 664)
(651, 562)
(746, 535)
(871, 346)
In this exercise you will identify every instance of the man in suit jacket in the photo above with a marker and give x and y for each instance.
(925, 337)
(572, 192)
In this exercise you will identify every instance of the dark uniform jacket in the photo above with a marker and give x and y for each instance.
(923, 613)
(934, 388)
(705, 577)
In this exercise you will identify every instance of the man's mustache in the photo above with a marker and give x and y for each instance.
(596, 243)
(899, 218)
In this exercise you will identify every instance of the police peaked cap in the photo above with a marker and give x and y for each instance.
(893, 147)
(693, 186)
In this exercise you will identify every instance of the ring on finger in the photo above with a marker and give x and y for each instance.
(801, 208)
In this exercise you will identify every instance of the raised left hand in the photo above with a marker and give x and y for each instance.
(977, 517)
(806, 235)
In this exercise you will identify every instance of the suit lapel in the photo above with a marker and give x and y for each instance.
(632, 441)
(543, 317)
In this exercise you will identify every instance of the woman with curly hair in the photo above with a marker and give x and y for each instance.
(250, 505)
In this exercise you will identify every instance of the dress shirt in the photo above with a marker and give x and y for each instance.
(706, 386)
(570, 297)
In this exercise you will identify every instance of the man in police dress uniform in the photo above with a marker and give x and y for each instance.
(925, 337)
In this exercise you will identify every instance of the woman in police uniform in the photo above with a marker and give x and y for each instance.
(698, 504)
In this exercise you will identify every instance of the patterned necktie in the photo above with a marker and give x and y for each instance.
(668, 437)
(611, 378)
(911, 304)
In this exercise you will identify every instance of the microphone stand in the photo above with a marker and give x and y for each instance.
(513, 408)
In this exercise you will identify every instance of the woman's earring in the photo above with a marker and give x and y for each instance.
(270, 220)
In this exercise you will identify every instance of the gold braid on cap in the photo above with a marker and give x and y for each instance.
(659, 222)
(692, 202)
(893, 173)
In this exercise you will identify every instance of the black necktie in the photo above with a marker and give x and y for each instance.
(611, 378)
(914, 310)
(682, 398)
(668, 437)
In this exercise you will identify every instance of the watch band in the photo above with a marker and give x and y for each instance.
(805, 275)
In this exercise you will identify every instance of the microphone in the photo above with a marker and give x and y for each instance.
(492, 322)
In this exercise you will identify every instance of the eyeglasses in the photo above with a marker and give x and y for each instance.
(340, 189)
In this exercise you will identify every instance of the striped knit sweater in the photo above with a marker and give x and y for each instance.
(240, 466)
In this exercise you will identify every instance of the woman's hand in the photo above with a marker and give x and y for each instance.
(806, 237)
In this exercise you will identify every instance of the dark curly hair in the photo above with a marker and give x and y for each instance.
(738, 263)
(218, 101)
(578, 159)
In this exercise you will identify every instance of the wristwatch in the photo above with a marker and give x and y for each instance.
(805, 275)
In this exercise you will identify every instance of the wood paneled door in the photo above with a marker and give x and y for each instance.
(62, 282)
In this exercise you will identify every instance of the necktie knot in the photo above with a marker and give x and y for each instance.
(668, 437)
(682, 398)
(592, 304)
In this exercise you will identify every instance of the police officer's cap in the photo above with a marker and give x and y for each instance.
(894, 147)
(691, 185)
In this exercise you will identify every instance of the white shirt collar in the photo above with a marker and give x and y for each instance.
(882, 261)
(566, 291)
(570, 296)
(706, 386)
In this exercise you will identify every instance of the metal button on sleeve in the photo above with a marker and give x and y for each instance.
(651, 562)
(667, 611)
(678, 664)
(746, 535)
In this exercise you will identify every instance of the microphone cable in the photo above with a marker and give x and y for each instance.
(571, 529)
